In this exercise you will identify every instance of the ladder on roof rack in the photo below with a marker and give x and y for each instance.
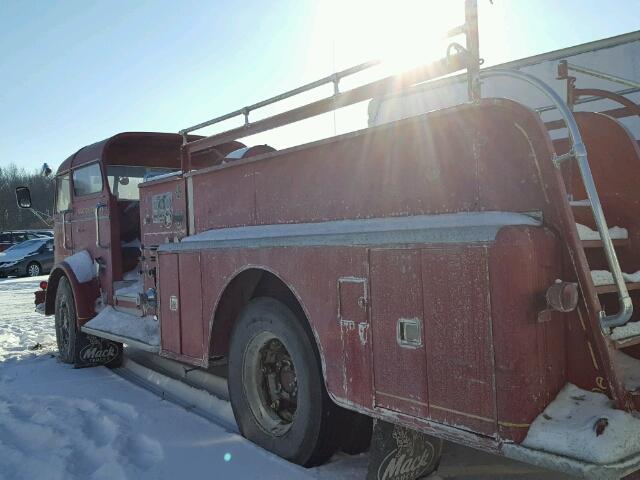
(457, 58)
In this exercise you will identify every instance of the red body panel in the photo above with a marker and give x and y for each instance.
(483, 361)
(169, 287)
(191, 325)
(438, 332)
(400, 373)
(355, 332)
(459, 337)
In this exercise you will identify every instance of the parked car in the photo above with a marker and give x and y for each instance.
(29, 258)
(9, 238)
(42, 233)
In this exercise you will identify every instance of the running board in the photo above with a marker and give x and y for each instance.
(577, 468)
(118, 338)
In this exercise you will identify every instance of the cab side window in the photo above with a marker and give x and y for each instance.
(87, 180)
(5, 238)
(63, 193)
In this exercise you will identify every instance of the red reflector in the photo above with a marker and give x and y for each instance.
(44, 285)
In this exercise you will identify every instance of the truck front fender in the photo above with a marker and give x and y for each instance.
(84, 294)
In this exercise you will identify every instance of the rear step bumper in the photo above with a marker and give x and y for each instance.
(118, 338)
(610, 471)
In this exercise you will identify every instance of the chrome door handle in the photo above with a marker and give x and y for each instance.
(64, 229)
(97, 214)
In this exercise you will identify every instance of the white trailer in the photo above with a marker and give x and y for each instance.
(618, 56)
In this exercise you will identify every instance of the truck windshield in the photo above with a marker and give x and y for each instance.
(124, 179)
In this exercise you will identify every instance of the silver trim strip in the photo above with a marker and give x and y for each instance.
(447, 228)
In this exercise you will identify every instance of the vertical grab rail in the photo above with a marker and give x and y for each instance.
(97, 215)
(579, 152)
(64, 229)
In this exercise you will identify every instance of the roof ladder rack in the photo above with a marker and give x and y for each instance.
(457, 58)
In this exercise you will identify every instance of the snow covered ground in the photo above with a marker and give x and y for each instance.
(61, 423)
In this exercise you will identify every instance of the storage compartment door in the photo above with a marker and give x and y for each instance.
(399, 358)
(356, 343)
(191, 324)
(169, 294)
(459, 337)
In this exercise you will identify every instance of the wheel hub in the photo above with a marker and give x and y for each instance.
(64, 326)
(279, 380)
(271, 383)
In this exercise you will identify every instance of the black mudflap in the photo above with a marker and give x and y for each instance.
(92, 351)
(399, 453)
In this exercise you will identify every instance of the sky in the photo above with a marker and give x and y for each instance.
(74, 72)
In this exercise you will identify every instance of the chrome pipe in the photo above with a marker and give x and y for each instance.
(333, 78)
(582, 100)
(580, 154)
(603, 75)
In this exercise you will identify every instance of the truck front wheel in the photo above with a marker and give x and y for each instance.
(65, 320)
(276, 387)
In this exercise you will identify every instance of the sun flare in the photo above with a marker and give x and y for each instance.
(402, 33)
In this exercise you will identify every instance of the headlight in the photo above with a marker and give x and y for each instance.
(8, 264)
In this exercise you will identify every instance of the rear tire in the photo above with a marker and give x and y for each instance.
(34, 269)
(65, 321)
(358, 430)
(276, 386)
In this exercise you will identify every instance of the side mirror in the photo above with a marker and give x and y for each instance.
(23, 197)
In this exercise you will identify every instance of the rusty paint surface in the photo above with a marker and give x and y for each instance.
(191, 324)
(406, 169)
(481, 367)
(400, 371)
(355, 332)
(169, 317)
(529, 355)
(459, 337)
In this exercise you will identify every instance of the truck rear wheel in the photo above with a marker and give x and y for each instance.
(65, 320)
(276, 386)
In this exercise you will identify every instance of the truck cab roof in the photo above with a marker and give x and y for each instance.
(139, 148)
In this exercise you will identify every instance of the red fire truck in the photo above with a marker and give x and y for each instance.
(453, 272)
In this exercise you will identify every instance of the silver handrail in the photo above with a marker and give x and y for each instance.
(603, 75)
(334, 78)
(465, 58)
(579, 152)
(97, 213)
(64, 228)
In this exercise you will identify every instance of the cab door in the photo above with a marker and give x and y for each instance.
(61, 226)
(93, 221)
